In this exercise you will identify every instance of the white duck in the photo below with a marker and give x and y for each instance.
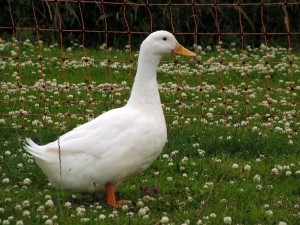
(119, 144)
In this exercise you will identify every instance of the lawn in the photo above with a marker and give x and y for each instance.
(232, 155)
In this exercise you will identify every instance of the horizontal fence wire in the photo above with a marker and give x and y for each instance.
(34, 95)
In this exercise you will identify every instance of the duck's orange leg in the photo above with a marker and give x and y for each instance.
(111, 198)
(110, 194)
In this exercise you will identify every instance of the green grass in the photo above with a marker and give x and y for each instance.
(234, 192)
(194, 173)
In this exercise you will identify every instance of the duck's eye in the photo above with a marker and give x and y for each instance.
(164, 38)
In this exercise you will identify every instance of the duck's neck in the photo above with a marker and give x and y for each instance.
(145, 88)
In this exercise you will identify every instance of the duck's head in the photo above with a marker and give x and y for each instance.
(162, 43)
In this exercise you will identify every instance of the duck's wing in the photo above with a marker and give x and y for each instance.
(97, 137)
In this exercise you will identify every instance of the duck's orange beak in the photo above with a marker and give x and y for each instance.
(179, 49)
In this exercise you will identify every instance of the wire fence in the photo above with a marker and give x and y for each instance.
(205, 88)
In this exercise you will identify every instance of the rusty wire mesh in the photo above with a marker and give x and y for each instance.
(106, 31)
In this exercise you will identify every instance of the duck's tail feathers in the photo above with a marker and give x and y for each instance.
(35, 150)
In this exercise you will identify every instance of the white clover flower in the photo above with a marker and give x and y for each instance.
(165, 156)
(174, 153)
(18, 207)
(26, 181)
(19, 222)
(201, 152)
(286, 167)
(49, 203)
(208, 185)
(247, 168)
(26, 213)
(143, 211)
(199, 222)
(212, 215)
(102, 217)
(223, 200)
(288, 173)
(190, 199)
(205, 218)
(269, 212)
(140, 203)
(208, 48)
(170, 178)
(256, 178)
(258, 187)
(279, 167)
(130, 214)
(41, 208)
(227, 220)
(184, 160)
(48, 197)
(187, 121)
(164, 219)
(184, 95)
(125, 207)
(80, 211)
(282, 223)
(11, 218)
(85, 220)
(68, 204)
(235, 166)
(274, 171)
(20, 165)
(26, 203)
(187, 222)
(5, 222)
(49, 222)
(209, 115)
(279, 203)
(195, 145)
(5, 180)
(146, 217)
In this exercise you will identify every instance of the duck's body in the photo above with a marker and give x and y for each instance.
(109, 149)
(118, 144)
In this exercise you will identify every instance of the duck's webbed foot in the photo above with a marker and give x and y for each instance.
(111, 198)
